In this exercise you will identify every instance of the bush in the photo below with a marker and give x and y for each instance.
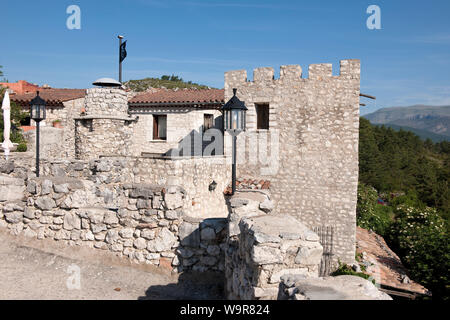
(22, 147)
(369, 214)
(420, 237)
(346, 270)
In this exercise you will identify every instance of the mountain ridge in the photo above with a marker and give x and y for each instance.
(426, 121)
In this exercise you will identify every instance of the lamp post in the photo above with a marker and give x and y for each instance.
(37, 113)
(234, 113)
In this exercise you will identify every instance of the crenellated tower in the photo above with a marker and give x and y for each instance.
(303, 135)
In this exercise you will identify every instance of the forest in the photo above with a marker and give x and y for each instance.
(403, 195)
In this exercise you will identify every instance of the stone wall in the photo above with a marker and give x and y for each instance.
(57, 143)
(196, 175)
(313, 136)
(96, 204)
(263, 247)
(182, 123)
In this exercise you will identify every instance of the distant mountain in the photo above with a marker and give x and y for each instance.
(168, 82)
(425, 121)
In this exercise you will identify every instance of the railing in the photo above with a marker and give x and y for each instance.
(326, 235)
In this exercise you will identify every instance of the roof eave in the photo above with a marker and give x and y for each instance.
(213, 104)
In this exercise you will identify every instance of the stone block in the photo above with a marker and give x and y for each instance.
(61, 188)
(71, 221)
(112, 236)
(45, 203)
(207, 234)
(173, 201)
(110, 218)
(46, 187)
(266, 255)
(11, 189)
(299, 272)
(140, 243)
(14, 217)
(189, 234)
(163, 242)
(309, 256)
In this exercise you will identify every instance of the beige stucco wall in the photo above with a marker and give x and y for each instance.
(181, 122)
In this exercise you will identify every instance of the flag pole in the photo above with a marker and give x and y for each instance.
(120, 61)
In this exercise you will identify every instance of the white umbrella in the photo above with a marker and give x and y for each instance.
(6, 107)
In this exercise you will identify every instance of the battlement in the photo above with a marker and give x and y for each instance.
(349, 69)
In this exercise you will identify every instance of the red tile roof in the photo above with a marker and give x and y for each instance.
(386, 264)
(20, 86)
(181, 96)
(252, 184)
(53, 97)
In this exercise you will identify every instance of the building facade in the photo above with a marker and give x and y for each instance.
(177, 122)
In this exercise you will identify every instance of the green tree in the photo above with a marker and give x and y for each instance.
(392, 161)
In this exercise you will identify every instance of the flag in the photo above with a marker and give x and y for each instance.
(123, 51)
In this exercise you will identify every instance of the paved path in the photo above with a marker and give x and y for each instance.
(32, 269)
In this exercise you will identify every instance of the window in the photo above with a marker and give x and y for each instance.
(262, 116)
(160, 127)
(208, 121)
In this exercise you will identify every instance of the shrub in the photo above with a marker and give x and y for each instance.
(371, 215)
(22, 147)
(346, 270)
(420, 237)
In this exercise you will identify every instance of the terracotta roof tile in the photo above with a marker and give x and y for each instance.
(248, 184)
(207, 96)
(53, 97)
(385, 262)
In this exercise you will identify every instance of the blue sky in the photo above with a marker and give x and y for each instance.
(406, 62)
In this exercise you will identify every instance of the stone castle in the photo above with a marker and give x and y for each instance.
(117, 180)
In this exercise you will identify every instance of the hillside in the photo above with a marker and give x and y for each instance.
(168, 82)
(411, 178)
(399, 161)
(423, 134)
(426, 121)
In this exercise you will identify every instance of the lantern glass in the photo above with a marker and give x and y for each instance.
(37, 109)
(226, 118)
(234, 112)
(235, 121)
(38, 112)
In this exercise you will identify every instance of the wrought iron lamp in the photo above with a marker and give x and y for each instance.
(37, 113)
(234, 113)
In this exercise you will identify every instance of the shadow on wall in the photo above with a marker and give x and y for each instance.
(200, 143)
(190, 286)
(202, 247)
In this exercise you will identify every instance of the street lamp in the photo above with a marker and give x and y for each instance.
(37, 113)
(234, 113)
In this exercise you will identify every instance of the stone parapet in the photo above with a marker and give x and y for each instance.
(263, 247)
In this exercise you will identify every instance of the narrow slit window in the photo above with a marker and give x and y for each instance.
(262, 116)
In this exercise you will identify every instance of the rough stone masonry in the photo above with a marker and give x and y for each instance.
(315, 121)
